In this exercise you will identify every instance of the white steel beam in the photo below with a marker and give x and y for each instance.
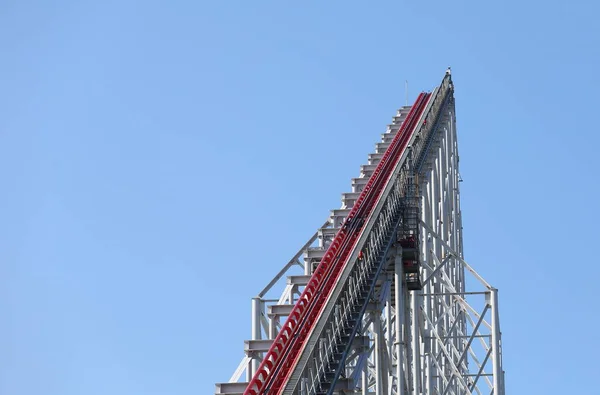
(443, 339)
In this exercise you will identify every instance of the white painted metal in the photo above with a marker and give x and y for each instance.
(440, 340)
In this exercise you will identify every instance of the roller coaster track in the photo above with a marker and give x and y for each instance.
(383, 229)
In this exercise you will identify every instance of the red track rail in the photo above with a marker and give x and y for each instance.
(286, 349)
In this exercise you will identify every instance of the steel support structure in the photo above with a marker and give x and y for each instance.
(443, 338)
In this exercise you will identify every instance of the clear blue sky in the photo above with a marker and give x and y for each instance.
(160, 161)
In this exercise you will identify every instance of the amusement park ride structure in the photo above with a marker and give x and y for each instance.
(385, 302)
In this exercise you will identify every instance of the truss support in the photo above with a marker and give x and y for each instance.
(394, 336)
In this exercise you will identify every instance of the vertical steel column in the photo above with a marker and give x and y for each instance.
(273, 321)
(416, 342)
(388, 320)
(399, 320)
(433, 303)
(256, 332)
(442, 231)
(407, 341)
(428, 384)
(378, 357)
(496, 356)
(249, 369)
(365, 378)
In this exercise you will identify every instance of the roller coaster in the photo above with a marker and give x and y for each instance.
(380, 303)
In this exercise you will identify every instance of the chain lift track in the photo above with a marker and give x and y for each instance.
(382, 307)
